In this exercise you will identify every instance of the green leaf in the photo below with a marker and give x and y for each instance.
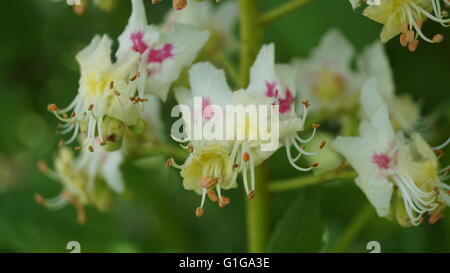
(302, 227)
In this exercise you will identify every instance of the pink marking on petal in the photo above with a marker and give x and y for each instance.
(138, 43)
(160, 55)
(271, 92)
(207, 113)
(286, 103)
(382, 160)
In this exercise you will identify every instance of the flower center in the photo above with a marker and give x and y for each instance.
(286, 103)
(160, 55)
(138, 43)
(382, 160)
(207, 112)
(271, 91)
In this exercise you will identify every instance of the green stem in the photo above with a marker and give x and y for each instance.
(164, 150)
(251, 36)
(225, 62)
(353, 229)
(303, 181)
(278, 12)
(258, 209)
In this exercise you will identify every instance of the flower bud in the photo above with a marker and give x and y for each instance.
(112, 133)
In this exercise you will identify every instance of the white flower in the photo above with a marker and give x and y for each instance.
(219, 20)
(209, 167)
(163, 55)
(326, 78)
(406, 17)
(373, 62)
(384, 159)
(277, 85)
(80, 179)
(104, 92)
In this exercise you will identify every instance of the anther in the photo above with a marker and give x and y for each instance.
(439, 152)
(322, 144)
(179, 4)
(52, 108)
(315, 125)
(410, 36)
(61, 143)
(65, 116)
(223, 201)
(39, 199)
(155, 1)
(314, 165)
(169, 163)
(132, 98)
(42, 166)
(251, 195)
(111, 85)
(212, 196)
(90, 148)
(117, 93)
(73, 114)
(438, 38)
(246, 157)
(135, 76)
(403, 41)
(190, 148)
(91, 107)
(77, 148)
(306, 103)
(199, 212)
(436, 217)
(235, 166)
(206, 182)
(412, 46)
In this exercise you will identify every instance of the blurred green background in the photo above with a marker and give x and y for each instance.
(39, 41)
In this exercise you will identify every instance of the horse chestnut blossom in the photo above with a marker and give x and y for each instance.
(405, 17)
(388, 162)
(219, 21)
(210, 165)
(374, 63)
(326, 77)
(106, 102)
(89, 179)
(162, 55)
(277, 83)
(213, 164)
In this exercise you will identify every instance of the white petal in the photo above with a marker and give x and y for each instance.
(334, 49)
(371, 99)
(375, 63)
(110, 171)
(136, 23)
(186, 41)
(263, 70)
(210, 82)
(378, 190)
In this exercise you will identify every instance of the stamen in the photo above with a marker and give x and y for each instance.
(223, 201)
(212, 196)
(52, 108)
(443, 145)
(207, 182)
(199, 212)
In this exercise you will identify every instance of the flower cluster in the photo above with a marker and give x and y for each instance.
(213, 165)
(328, 81)
(113, 96)
(389, 162)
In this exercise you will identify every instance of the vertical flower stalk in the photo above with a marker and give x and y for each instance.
(258, 209)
